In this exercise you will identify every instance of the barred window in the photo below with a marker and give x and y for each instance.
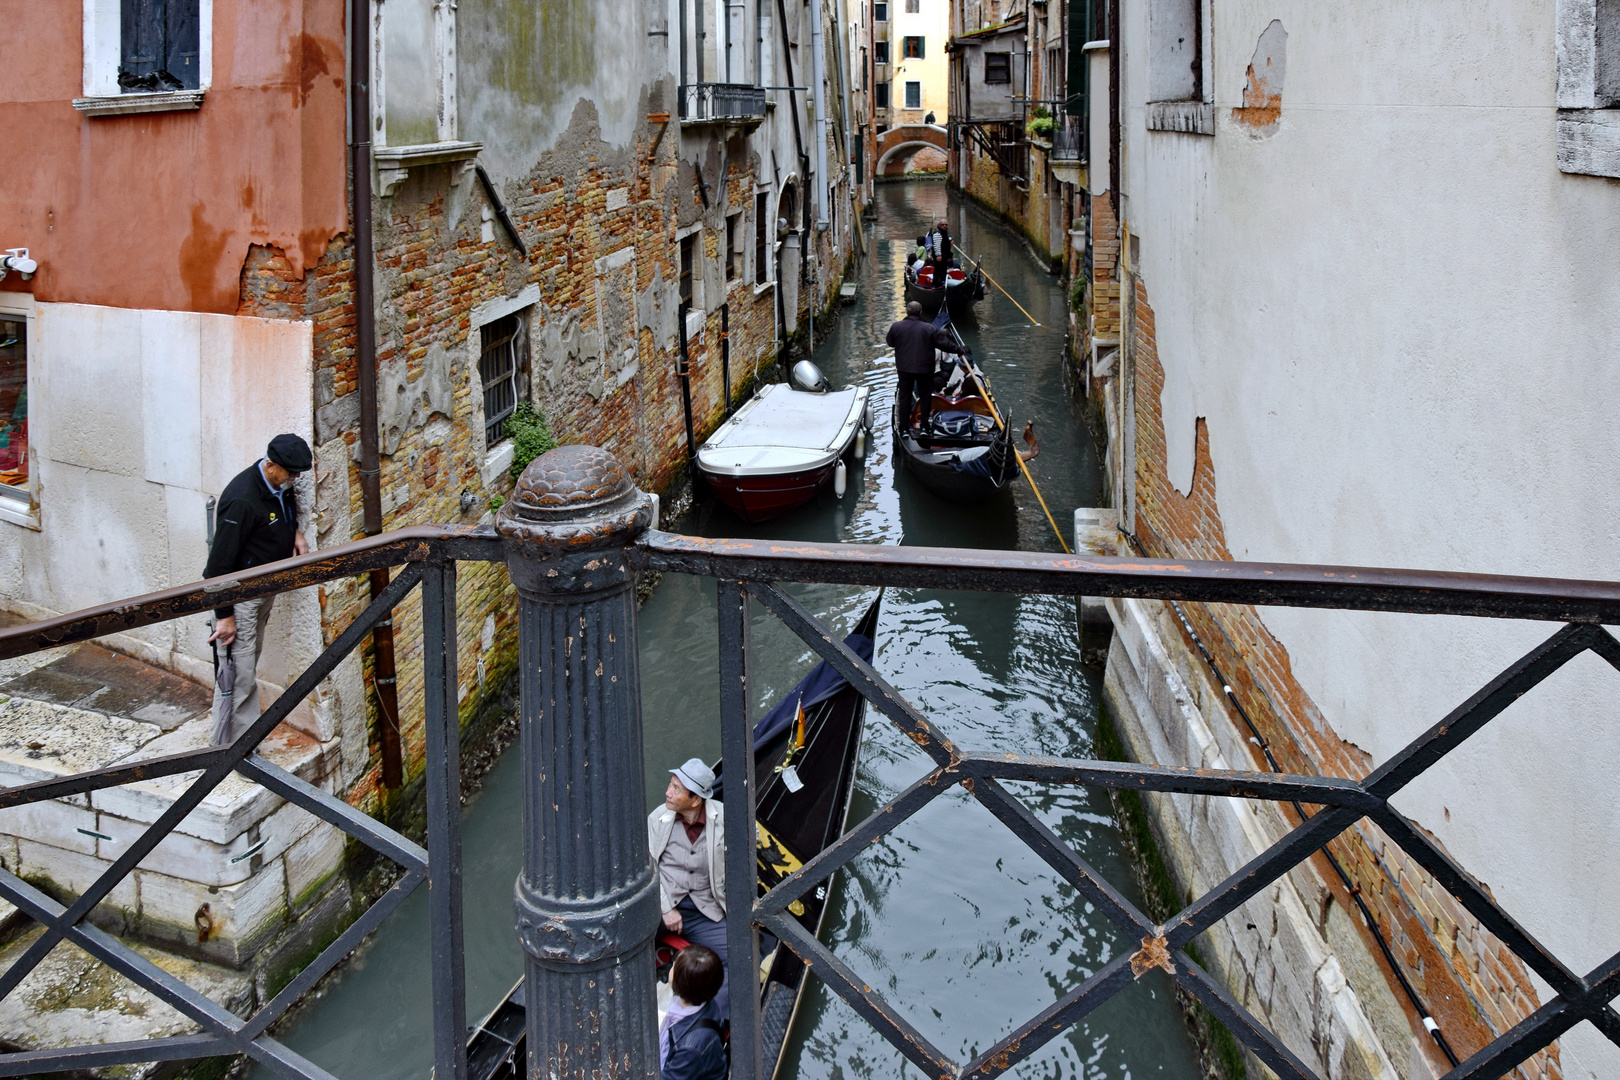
(688, 263)
(502, 363)
(762, 238)
(734, 246)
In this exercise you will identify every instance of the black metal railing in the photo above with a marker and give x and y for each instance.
(573, 536)
(722, 102)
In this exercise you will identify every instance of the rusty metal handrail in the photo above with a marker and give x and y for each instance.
(582, 565)
(1425, 592)
(412, 544)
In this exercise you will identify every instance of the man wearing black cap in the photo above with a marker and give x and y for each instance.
(257, 523)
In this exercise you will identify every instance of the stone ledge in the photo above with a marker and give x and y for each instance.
(130, 104)
(394, 163)
(1589, 142)
(1187, 117)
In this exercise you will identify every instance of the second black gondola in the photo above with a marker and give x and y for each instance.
(964, 456)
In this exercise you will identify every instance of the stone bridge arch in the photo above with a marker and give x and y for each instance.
(906, 140)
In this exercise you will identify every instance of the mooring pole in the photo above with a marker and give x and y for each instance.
(587, 898)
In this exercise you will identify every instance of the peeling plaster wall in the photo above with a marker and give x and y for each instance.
(524, 66)
(122, 211)
(1394, 316)
(137, 418)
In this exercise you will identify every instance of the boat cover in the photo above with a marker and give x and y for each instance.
(783, 430)
(822, 683)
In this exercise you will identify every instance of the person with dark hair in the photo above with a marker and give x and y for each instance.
(257, 523)
(914, 341)
(689, 1043)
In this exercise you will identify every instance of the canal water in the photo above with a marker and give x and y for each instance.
(951, 918)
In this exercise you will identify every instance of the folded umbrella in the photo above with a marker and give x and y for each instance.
(225, 680)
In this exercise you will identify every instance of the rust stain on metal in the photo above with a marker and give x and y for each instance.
(1154, 953)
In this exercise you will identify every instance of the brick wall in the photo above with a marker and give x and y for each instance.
(601, 225)
(1474, 988)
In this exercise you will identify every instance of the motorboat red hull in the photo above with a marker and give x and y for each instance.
(781, 448)
(760, 498)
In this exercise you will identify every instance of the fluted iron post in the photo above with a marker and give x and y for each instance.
(587, 898)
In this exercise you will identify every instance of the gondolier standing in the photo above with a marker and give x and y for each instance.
(687, 838)
(939, 248)
(914, 341)
(257, 523)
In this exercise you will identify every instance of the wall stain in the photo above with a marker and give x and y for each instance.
(317, 57)
(200, 254)
(1261, 110)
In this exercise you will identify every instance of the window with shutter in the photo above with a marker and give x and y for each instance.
(158, 46)
(913, 48)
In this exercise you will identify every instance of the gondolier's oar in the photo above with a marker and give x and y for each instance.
(995, 413)
(979, 266)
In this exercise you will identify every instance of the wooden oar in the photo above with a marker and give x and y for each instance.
(984, 392)
(979, 266)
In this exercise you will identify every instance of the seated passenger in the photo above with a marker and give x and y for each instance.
(687, 839)
(689, 1043)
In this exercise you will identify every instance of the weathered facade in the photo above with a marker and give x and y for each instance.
(571, 206)
(1018, 88)
(1298, 333)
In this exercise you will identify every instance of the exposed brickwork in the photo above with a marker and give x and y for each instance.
(1103, 296)
(1475, 989)
(602, 225)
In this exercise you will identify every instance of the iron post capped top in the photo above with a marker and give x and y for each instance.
(575, 498)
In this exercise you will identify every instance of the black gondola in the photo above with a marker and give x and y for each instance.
(964, 456)
(964, 288)
(794, 825)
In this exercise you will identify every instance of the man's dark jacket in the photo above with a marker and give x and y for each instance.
(250, 528)
(695, 1049)
(914, 342)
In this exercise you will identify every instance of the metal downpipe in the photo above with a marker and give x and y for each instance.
(365, 347)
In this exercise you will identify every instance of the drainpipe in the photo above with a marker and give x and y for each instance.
(818, 85)
(365, 346)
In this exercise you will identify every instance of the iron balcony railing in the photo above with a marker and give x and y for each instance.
(572, 538)
(1053, 122)
(722, 102)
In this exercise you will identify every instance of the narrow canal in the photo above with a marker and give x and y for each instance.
(951, 918)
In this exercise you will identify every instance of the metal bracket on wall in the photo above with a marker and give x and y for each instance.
(500, 210)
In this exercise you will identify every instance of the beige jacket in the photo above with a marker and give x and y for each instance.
(659, 825)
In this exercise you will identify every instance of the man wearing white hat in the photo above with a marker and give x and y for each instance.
(687, 838)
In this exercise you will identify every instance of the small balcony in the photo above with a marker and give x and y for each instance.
(722, 103)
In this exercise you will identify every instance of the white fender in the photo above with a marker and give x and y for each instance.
(840, 479)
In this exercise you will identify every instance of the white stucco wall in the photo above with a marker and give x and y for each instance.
(136, 418)
(1399, 319)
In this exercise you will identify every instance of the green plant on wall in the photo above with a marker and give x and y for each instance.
(1040, 122)
(531, 436)
(1077, 298)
